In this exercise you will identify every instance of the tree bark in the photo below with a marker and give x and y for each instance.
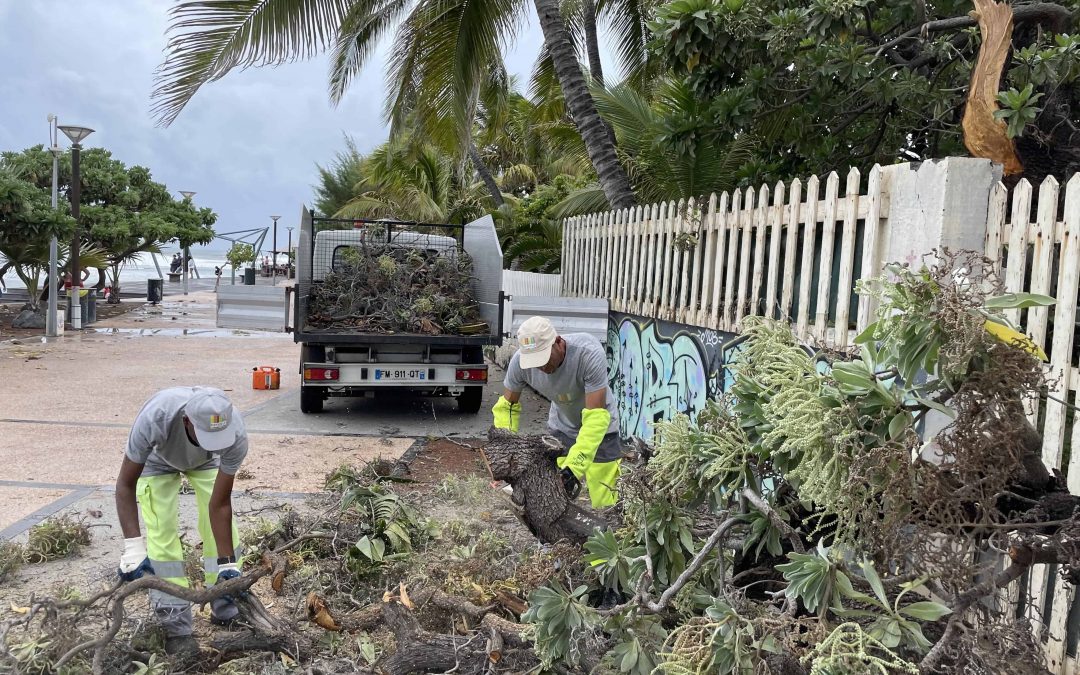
(592, 43)
(528, 464)
(485, 174)
(611, 174)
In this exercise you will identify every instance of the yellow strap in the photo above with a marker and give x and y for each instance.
(1014, 338)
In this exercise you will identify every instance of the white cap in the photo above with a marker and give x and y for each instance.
(213, 417)
(536, 338)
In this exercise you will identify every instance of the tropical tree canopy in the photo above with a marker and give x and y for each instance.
(833, 83)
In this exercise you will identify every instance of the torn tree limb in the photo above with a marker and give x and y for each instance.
(528, 464)
(984, 135)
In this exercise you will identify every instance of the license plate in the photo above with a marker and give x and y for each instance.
(400, 374)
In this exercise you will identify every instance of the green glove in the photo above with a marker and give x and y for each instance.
(507, 415)
(594, 426)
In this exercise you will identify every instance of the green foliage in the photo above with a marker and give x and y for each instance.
(894, 624)
(56, 538)
(562, 620)
(387, 523)
(153, 666)
(240, 254)
(831, 83)
(722, 641)
(815, 580)
(11, 558)
(638, 642)
(616, 561)
(848, 649)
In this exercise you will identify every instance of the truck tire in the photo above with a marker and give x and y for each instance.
(470, 400)
(311, 400)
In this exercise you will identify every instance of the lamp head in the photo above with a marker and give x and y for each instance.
(187, 194)
(274, 218)
(75, 134)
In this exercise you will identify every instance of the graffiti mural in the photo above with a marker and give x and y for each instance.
(658, 369)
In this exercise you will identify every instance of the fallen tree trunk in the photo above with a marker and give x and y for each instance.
(528, 464)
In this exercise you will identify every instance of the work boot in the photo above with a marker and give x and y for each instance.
(182, 647)
(223, 611)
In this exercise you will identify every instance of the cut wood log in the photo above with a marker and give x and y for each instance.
(528, 464)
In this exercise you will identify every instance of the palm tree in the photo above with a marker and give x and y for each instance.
(338, 180)
(443, 49)
(668, 146)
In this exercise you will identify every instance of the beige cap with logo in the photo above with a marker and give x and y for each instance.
(212, 414)
(536, 338)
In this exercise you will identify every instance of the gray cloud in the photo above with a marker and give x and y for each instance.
(247, 144)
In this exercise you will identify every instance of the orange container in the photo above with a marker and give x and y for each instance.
(266, 377)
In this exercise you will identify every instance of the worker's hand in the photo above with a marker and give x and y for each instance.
(225, 573)
(570, 483)
(134, 562)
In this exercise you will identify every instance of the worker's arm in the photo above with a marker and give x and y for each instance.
(221, 514)
(134, 561)
(595, 420)
(127, 510)
(507, 411)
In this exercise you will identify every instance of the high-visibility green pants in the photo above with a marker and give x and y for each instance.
(159, 501)
(602, 475)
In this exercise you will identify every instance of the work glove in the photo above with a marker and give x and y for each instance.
(570, 483)
(134, 562)
(594, 426)
(226, 572)
(506, 415)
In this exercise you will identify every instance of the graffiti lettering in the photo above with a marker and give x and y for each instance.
(658, 370)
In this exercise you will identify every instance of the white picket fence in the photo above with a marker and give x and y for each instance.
(1042, 255)
(748, 253)
(531, 283)
(786, 252)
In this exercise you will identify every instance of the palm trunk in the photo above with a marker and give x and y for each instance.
(612, 176)
(592, 44)
(485, 175)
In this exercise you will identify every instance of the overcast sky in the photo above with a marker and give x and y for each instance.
(247, 144)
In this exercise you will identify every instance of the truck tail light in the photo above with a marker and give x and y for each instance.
(323, 374)
(472, 374)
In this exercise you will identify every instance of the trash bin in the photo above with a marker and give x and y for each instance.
(90, 307)
(153, 290)
(249, 276)
(83, 310)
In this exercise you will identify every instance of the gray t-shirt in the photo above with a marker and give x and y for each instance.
(159, 442)
(583, 371)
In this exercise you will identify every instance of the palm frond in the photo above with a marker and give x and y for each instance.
(363, 25)
(208, 38)
(589, 199)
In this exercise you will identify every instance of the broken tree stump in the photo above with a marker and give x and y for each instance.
(528, 464)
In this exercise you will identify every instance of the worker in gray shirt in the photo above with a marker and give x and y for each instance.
(571, 372)
(197, 432)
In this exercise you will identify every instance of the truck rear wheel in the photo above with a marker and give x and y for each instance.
(311, 400)
(470, 400)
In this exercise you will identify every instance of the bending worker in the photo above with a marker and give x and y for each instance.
(571, 372)
(194, 431)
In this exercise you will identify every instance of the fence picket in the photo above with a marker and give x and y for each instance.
(995, 224)
(1061, 372)
(578, 260)
(806, 268)
(698, 229)
(722, 242)
(776, 220)
(1017, 261)
(649, 265)
(872, 244)
(686, 225)
(761, 219)
(844, 284)
(670, 261)
(828, 238)
(734, 223)
(746, 220)
(1041, 263)
(791, 218)
(658, 271)
(707, 247)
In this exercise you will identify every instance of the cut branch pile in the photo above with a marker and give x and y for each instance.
(385, 289)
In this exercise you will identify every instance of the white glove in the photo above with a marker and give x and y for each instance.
(134, 554)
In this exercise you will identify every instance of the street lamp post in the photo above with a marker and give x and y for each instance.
(288, 255)
(51, 329)
(76, 135)
(273, 261)
(187, 194)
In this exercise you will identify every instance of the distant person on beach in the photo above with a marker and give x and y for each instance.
(174, 266)
(217, 273)
(197, 432)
